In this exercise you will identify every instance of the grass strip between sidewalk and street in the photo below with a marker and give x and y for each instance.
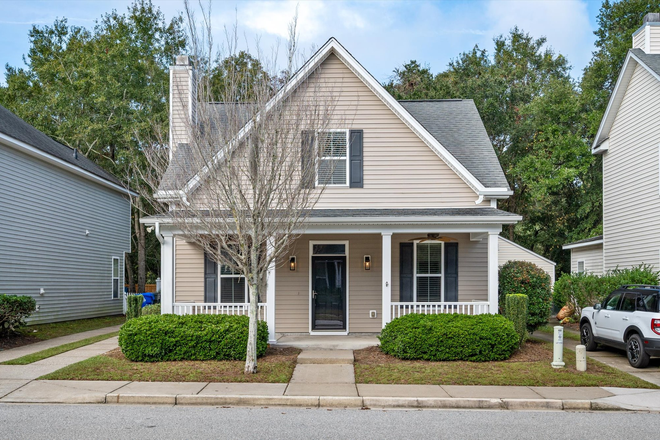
(49, 352)
(530, 366)
(276, 366)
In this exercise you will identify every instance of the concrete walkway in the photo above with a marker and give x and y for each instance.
(13, 377)
(614, 358)
(323, 373)
(14, 353)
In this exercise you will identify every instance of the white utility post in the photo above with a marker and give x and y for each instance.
(167, 274)
(270, 301)
(387, 277)
(581, 358)
(558, 350)
(493, 275)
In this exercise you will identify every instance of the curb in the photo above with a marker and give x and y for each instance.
(361, 402)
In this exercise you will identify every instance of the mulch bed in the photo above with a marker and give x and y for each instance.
(17, 340)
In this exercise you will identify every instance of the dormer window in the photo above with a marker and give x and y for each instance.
(333, 164)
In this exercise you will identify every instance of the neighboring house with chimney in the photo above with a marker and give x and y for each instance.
(65, 224)
(629, 141)
(425, 190)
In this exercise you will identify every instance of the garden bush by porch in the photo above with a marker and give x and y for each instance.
(450, 337)
(156, 338)
(525, 278)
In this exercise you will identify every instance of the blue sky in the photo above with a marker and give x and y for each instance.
(382, 35)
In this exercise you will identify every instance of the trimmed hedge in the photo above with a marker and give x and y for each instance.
(14, 310)
(527, 279)
(156, 338)
(134, 306)
(516, 312)
(585, 290)
(151, 309)
(450, 337)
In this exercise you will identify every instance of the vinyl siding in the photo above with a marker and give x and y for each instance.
(400, 170)
(592, 257)
(639, 40)
(508, 251)
(631, 182)
(179, 105)
(654, 40)
(44, 213)
(188, 272)
(472, 267)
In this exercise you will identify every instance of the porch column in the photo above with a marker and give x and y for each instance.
(270, 301)
(493, 276)
(387, 277)
(167, 274)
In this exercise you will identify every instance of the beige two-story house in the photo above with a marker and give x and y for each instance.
(412, 227)
(629, 141)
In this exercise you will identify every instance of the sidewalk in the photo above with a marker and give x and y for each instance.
(14, 353)
(322, 379)
(614, 358)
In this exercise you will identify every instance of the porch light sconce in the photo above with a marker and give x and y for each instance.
(292, 263)
(367, 262)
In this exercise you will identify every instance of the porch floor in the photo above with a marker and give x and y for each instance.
(318, 342)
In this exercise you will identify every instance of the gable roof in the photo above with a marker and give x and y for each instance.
(17, 129)
(636, 57)
(456, 124)
(465, 171)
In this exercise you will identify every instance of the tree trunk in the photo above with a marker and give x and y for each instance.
(141, 242)
(255, 290)
(129, 273)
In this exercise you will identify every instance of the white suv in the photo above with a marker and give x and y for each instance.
(628, 319)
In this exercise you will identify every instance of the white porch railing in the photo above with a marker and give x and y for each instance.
(217, 309)
(436, 308)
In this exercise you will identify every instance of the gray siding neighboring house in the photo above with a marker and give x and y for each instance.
(62, 220)
(510, 251)
(587, 255)
(629, 141)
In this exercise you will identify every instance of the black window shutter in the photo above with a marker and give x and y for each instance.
(356, 159)
(451, 272)
(406, 272)
(307, 159)
(210, 280)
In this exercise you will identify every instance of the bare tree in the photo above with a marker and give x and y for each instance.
(243, 184)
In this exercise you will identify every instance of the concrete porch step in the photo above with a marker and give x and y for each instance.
(326, 357)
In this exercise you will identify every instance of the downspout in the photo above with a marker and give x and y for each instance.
(157, 231)
(479, 200)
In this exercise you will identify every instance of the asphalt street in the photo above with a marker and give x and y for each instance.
(145, 422)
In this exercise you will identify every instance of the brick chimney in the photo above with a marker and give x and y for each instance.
(183, 101)
(647, 37)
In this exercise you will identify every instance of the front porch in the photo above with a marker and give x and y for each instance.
(350, 281)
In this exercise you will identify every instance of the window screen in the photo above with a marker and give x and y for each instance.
(580, 266)
(332, 169)
(429, 272)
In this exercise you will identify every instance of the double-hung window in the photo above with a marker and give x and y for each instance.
(428, 271)
(233, 288)
(115, 277)
(580, 267)
(333, 162)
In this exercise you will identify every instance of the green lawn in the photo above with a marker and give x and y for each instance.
(528, 367)
(568, 333)
(276, 366)
(49, 331)
(43, 354)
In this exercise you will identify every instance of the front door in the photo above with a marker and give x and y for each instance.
(329, 292)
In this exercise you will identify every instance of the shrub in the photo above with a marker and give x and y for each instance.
(134, 306)
(13, 311)
(516, 312)
(168, 337)
(527, 279)
(450, 337)
(584, 290)
(151, 309)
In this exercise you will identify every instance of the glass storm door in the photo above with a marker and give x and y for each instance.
(329, 292)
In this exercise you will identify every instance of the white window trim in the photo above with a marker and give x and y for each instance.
(320, 158)
(442, 270)
(113, 278)
(584, 267)
(309, 263)
(221, 276)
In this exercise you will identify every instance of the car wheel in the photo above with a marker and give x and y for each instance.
(637, 356)
(587, 337)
